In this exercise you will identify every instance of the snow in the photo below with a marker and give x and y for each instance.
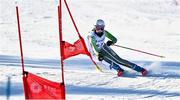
(148, 25)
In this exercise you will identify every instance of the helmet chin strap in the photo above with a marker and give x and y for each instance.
(99, 34)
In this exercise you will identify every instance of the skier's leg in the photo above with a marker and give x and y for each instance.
(133, 66)
(121, 61)
(112, 64)
(115, 66)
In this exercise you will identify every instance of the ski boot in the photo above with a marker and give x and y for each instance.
(140, 69)
(120, 73)
(144, 72)
(118, 68)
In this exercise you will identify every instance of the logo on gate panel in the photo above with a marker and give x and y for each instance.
(71, 49)
(35, 87)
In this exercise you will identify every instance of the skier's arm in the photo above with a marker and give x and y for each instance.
(110, 36)
(93, 41)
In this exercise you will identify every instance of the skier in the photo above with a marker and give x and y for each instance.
(104, 52)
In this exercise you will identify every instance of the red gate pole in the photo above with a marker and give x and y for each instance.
(72, 18)
(80, 35)
(61, 44)
(60, 38)
(20, 41)
(21, 51)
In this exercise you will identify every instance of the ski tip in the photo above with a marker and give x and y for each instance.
(98, 69)
(163, 57)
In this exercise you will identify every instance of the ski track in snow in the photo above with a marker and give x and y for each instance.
(159, 84)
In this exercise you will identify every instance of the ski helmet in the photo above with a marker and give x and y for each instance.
(100, 24)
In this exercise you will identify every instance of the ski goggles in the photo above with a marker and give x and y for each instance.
(99, 27)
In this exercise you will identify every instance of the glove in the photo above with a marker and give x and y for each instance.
(100, 57)
(109, 43)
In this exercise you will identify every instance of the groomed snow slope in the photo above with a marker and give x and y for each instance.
(149, 25)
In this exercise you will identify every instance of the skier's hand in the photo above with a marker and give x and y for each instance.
(100, 57)
(109, 43)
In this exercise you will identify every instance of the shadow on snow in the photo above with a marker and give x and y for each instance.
(85, 63)
(10, 88)
(70, 89)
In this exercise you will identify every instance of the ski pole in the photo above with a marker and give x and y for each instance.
(140, 51)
